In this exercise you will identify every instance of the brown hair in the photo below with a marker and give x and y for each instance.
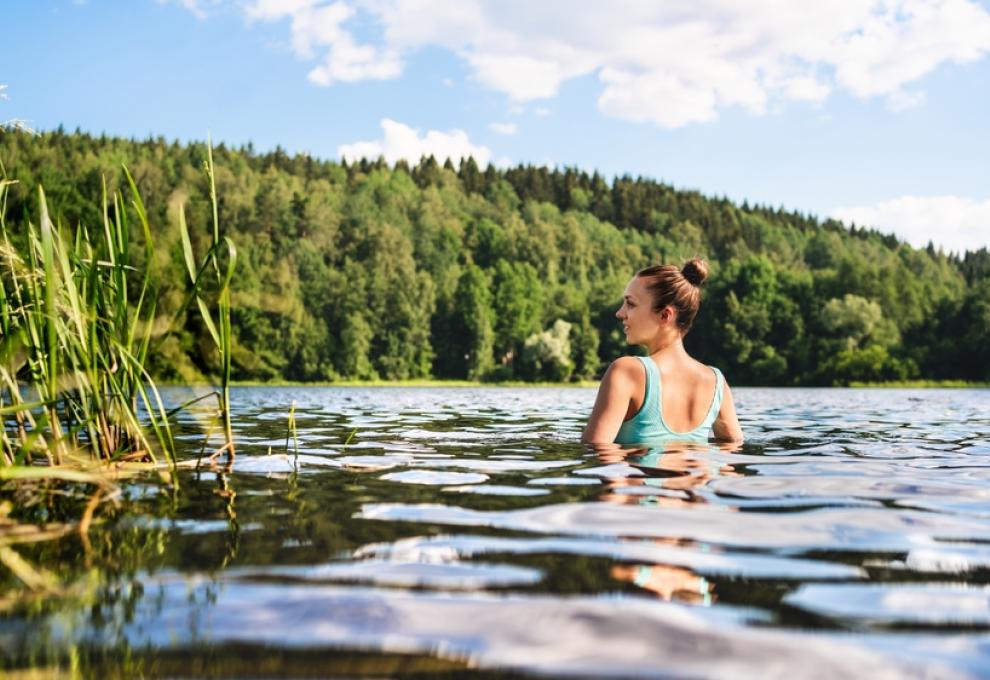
(669, 286)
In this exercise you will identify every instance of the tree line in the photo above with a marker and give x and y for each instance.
(371, 271)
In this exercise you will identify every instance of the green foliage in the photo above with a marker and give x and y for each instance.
(866, 364)
(356, 337)
(547, 355)
(517, 306)
(584, 349)
(363, 271)
(471, 325)
(973, 324)
(857, 322)
(756, 322)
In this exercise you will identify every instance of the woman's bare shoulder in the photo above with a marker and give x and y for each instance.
(624, 369)
(626, 363)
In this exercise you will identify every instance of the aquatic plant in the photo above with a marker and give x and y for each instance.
(77, 321)
(78, 407)
(214, 275)
(77, 318)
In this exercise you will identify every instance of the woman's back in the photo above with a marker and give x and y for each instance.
(682, 401)
(688, 389)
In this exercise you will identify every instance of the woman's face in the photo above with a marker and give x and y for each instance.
(639, 320)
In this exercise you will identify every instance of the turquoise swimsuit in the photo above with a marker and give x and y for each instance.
(648, 424)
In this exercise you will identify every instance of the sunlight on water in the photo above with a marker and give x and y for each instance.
(849, 537)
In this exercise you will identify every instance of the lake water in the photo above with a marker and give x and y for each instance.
(465, 531)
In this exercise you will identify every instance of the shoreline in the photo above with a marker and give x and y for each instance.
(424, 382)
(419, 382)
(923, 384)
(427, 382)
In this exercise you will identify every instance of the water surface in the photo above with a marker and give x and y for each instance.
(466, 531)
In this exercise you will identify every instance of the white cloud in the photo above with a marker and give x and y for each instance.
(504, 128)
(671, 63)
(521, 77)
(952, 222)
(899, 42)
(318, 28)
(664, 99)
(348, 62)
(804, 88)
(542, 111)
(403, 142)
(902, 100)
(678, 63)
(13, 123)
(197, 7)
(313, 26)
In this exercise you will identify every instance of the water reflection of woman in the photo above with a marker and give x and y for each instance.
(666, 475)
(669, 472)
(669, 583)
(667, 394)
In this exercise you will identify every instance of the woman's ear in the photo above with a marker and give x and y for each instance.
(667, 314)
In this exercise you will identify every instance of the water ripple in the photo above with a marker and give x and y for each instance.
(865, 529)
(848, 537)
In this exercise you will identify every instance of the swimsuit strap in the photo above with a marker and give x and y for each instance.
(717, 398)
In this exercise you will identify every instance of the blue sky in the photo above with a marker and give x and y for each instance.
(870, 110)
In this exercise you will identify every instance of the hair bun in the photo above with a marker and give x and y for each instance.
(695, 271)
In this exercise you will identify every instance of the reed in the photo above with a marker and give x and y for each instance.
(292, 433)
(76, 323)
(73, 343)
(211, 283)
(78, 408)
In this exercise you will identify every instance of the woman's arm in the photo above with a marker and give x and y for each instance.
(612, 403)
(726, 425)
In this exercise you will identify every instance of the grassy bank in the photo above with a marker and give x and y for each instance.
(427, 382)
(919, 384)
(419, 382)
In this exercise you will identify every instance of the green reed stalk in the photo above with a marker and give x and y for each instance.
(219, 330)
(226, 337)
(292, 433)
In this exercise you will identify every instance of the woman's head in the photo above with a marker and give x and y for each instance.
(677, 288)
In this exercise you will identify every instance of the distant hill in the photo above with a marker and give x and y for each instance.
(367, 271)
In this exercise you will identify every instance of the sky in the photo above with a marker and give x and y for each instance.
(872, 111)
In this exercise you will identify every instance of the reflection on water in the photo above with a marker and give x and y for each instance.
(466, 530)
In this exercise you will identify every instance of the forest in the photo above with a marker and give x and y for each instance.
(367, 271)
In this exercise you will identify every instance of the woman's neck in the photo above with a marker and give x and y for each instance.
(666, 345)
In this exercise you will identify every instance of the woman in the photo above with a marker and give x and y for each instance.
(666, 395)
